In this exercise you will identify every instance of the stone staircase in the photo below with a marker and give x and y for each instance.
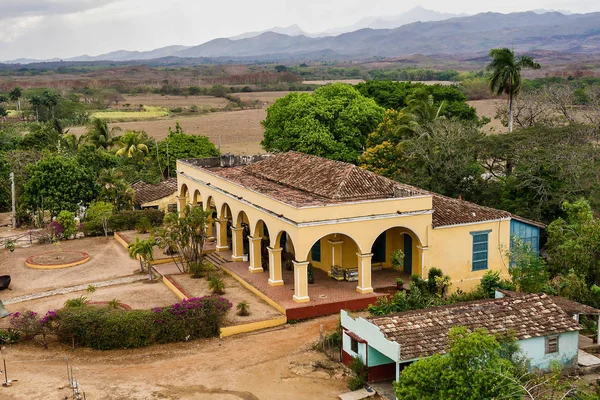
(215, 259)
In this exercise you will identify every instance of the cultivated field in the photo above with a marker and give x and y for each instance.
(174, 101)
(266, 98)
(238, 132)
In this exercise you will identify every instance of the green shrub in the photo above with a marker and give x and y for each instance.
(143, 225)
(243, 309)
(67, 220)
(92, 228)
(9, 336)
(199, 269)
(129, 220)
(361, 374)
(77, 302)
(217, 285)
(491, 281)
(106, 328)
(114, 304)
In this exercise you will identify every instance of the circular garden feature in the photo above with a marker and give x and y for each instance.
(57, 259)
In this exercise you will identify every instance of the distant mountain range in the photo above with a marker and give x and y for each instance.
(441, 35)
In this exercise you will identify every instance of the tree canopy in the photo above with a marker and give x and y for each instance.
(332, 122)
(472, 369)
(180, 146)
(59, 183)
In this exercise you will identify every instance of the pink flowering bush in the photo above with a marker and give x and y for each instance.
(104, 328)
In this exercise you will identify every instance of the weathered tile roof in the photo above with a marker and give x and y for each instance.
(333, 180)
(569, 306)
(423, 333)
(145, 192)
(302, 180)
(449, 211)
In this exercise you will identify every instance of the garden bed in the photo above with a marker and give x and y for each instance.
(235, 293)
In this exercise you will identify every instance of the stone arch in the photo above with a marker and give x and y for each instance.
(184, 191)
(334, 249)
(396, 238)
(197, 198)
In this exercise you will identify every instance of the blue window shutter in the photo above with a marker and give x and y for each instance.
(480, 250)
(315, 251)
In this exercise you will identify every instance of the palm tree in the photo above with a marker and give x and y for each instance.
(114, 190)
(100, 135)
(70, 143)
(15, 95)
(144, 251)
(506, 75)
(36, 101)
(50, 101)
(132, 144)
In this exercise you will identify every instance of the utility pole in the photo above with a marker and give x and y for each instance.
(14, 200)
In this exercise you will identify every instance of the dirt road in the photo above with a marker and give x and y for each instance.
(275, 364)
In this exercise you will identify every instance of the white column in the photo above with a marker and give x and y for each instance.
(301, 282)
(275, 274)
(364, 273)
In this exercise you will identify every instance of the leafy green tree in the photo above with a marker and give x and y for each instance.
(397, 95)
(58, 183)
(15, 95)
(100, 212)
(186, 234)
(528, 271)
(133, 144)
(144, 250)
(41, 136)
(533, 171)
(574, 242)
(180, 146)
(473, 369)
(114, 190)
(506, 75)
(3, 113)
(332, 122)
(67, 221)
(442, 156)
(100, 135)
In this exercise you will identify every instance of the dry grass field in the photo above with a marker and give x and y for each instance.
(174, 101)
(266, 98)
(487, 108)
(238, 132)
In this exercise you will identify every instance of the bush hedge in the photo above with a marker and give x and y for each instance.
(124, 221)
(104, 328)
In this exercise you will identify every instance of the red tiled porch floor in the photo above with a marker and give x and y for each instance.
(327, 296)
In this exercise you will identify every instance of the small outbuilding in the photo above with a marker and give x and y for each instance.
(161, 196)
(387, 344)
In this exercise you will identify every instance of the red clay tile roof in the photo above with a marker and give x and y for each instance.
(302, 180)
(145, 192)
(423, 333)
(569, 306)
(449, 211)
(333, 180)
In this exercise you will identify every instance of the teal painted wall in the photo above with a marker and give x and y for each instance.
(535, 348)
(376, 358)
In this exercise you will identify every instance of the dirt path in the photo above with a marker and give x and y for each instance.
(275, 364)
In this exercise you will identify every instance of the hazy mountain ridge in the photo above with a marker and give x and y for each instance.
(525, 31)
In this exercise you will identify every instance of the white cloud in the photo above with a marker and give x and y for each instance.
(27, 8)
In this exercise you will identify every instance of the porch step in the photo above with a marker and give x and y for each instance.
(215, 259)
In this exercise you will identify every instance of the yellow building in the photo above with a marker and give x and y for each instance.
(297, 209)
(162, 196)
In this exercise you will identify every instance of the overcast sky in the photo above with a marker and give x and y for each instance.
(44, 29)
